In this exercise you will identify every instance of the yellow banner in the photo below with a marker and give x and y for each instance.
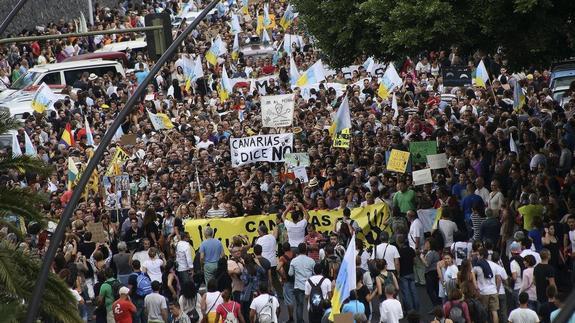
(341, 140)
(226, 228)
(398, 160)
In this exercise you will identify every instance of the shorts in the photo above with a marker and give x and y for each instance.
(491, 302)
(288, 293)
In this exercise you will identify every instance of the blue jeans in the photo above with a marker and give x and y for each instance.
(299, 296)
(139, 316)
(409, 292)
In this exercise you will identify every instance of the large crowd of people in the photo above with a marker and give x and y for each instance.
(502, 250)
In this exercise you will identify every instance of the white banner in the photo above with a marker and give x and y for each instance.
(437, 161)
(265, 148)
(277, 110)
(255, 84)
(421, 177)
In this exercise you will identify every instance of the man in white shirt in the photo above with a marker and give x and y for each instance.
(416, 241)
(269, 252)
(390, 309)
(184, 259)
(481, 190)
(488, 286)
(526, 246)
(264, 306)
(516, 265)
(523, 314)
(495, 257)
(318, 280)
(296, 229)
(447, 228)
(388, 252)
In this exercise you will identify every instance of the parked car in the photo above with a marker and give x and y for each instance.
(562, 74)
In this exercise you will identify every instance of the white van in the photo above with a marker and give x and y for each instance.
(59, 75)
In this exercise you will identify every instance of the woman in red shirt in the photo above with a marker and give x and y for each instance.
(228, 307)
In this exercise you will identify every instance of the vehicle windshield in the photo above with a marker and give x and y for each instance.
(563, 81)
(25, 80)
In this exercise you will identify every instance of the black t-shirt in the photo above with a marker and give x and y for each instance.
(545, 311)
(406, 259)
(361, 296)
(541, 273)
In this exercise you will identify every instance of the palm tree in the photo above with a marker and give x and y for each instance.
(18, 269)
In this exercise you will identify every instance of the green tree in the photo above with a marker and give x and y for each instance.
(19, 270)
(529, 31)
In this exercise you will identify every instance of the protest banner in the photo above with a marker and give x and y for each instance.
(226, 228)
(259, 83)
(341, 140)
(398, 160)
(277, 110)
(117, 192)
(420, 149)
(437, 161)
(421, 177)
(270, 148)
(294, 160)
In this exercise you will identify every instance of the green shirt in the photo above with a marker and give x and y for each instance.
(107, 293)
(529, 212)
(404, 200)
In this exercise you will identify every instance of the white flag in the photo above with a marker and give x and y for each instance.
(394, 107)
(513, 145)
(16, 150)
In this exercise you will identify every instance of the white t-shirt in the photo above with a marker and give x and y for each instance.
(448, 228)
(416, 231)
(260, 305)
(269, 248)
(154, 268)
(388, 252)
(141, 256)
(325, 286)
(523, 315)
(486, 286)
(572, 240)
(77, 296)
(515, 268)
(503, 274)
(295, 231)
(390, 311)
(213, 300)
(484, 193)
(461, 250)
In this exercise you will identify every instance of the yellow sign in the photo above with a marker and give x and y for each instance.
(341, 140)
(226, 228)
(398, 160)
(120, 157)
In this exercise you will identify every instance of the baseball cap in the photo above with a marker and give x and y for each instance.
(515, 247)
(124, 290)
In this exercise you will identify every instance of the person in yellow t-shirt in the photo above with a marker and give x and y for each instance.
(530, 211)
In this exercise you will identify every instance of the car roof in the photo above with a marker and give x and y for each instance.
(564, 73)
(71, 65)
(102, 55)
(121, 46)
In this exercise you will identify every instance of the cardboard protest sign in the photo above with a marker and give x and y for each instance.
(437, 161)
(420, 149)
(97, 230)
(270, 148)
(277, 110)
(421, 177)
(398, 160)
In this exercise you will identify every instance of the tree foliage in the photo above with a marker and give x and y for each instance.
(529, 31)
(19, 270)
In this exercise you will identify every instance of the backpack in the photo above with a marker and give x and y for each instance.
(386, 280)
(456, 313)
(316, 296)
(143, 285)
(230, 315)
(477, 311)
(265, 315)
(116, 285)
